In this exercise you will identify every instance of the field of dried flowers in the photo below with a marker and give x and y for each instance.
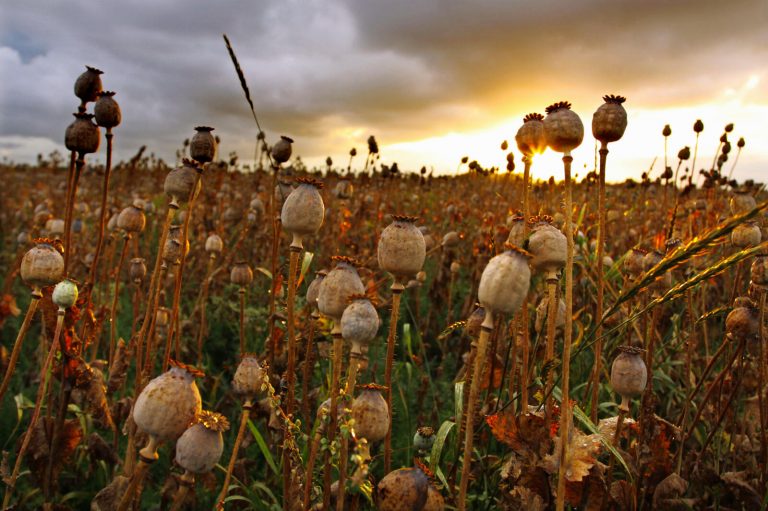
(148, 307)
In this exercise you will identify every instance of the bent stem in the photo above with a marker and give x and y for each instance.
(11, 482)
(235, 449)
(482, 344)
(397, 290)
(36, 296)
(565, 406)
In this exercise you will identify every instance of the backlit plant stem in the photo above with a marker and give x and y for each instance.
(36, 296)
(565, 406)
(397, 290)
(474, 391)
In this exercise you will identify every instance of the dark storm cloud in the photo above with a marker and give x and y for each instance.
(401, 69)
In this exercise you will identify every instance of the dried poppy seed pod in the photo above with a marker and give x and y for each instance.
(88, 85)
(106, 111)
(214, 245)
(137, 269)
(435, 501)
(610, 119)
(759, 271)
(359, 323)
(633, 261)
(516, 230)
(55, 227)
(241, 274)
(667, 131)
(530, 136)
(541, 314)
(339, 285)
(303, 210)
(313, 290)
(401, 250)
(424, 439)
(629, 375)
(743, 322)
(249, 377)
(651, 259)
(563, 129)
(202, 147)
(132, 219)
(172, 251)
(42, 266)
(281, 151)
(742, 202)
(698, 126)
(199, 448)
(64, 294)
(169, 403)
(82, 136)
(746, 235)
(180, 182)
(548, 246)
(371, 414)
(450, 240)
(403, 489)
(505, 281)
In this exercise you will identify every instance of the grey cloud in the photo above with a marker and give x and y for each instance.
(399, 69)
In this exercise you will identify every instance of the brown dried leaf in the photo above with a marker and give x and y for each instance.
(524, 434)
(527, 499)
(100, 450)
(607, 427)
(671, 487)
(582, 455)
(623, 495)
(91, 382)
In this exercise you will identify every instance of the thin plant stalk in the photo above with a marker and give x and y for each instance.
(233, 458)
(338, 349)
(36, 296)
(74, 162)
(309, 364)
(397, 290)
(474, 391)
(354, 367)
(241, 292)
(203, 302)
(601, 225)
(295, 251)
(761, 388)
(311, 464)
(38, 405)
(528, 161)
(549, 351)
(113, 311)
(565, 406)
(137, 478)
(186, 482)
(103, 213)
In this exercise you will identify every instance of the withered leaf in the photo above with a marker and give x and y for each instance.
(525, 433)
(119, 368)
(582, 455)
(623, 495)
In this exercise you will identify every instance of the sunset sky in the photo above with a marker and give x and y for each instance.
(433, 80)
